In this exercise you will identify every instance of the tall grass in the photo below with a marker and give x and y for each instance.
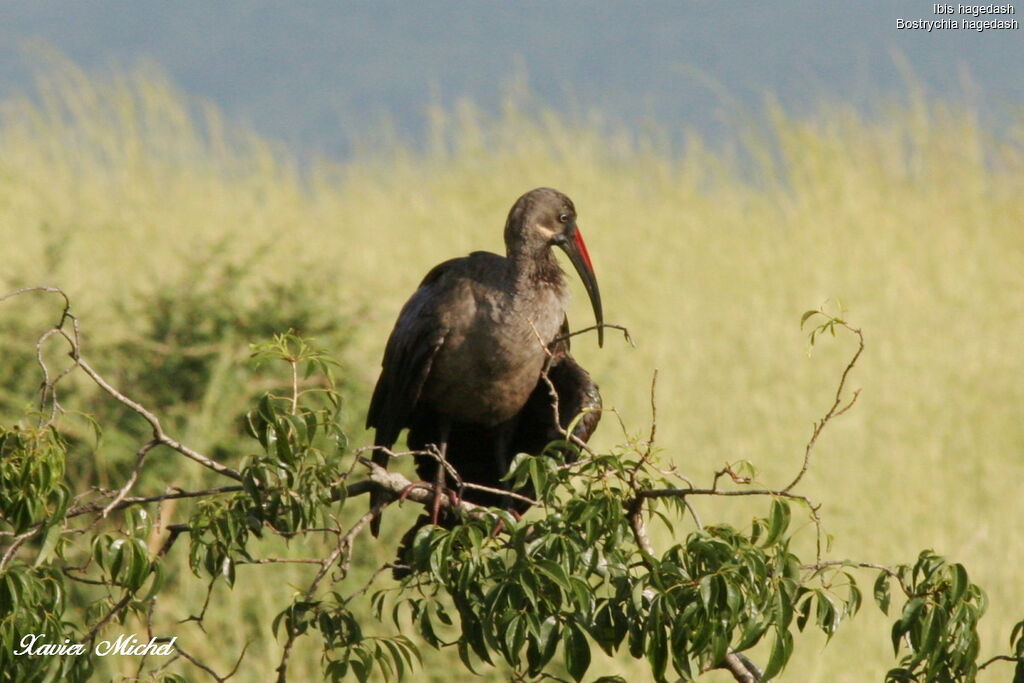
(122, 190)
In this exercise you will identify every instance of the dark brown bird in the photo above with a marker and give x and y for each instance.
(469, 346)
(469, 445)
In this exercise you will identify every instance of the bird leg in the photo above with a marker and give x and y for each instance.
(502, 446)
(439, 477)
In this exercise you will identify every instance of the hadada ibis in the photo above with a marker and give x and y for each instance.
(535, 429)
(462, 367)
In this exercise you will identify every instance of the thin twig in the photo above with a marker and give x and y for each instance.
(280, 560)
(52, 290)
(140, 455)
(1000, 658)
(158, 433)
(141, 500)
(16, 543)
(295, 385)
(204, 667)
(819, 566)
(834, 411)
(683, 493)
(592, 328)
(654, 415)
(175, 530)
(198, 618)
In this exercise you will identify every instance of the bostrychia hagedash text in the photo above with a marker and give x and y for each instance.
(470, 344)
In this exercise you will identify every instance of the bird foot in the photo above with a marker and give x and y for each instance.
(408, 489)
(439, 492)
(435, 508)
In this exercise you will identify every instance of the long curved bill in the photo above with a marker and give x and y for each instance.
(576, 249)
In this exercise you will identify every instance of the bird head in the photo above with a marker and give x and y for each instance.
(543, 218)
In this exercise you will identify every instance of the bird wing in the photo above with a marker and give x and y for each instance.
(410, 352)
(417, 336)
(414, 342)
(577, 393)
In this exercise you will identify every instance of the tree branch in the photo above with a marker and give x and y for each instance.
(159, 435)
(833, 411)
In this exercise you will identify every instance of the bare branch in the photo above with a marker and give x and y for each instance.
(592, 328)
(211, 672)
(129, 501)
(140, 455)
(636, 524)
(834, 411)
(361, 487)
(1000, 658)
(280, 560)
(741, 668)
(52, 290)
(654, 416)
(818, 566)
(198, 618)
(16, 543)
(158, 433)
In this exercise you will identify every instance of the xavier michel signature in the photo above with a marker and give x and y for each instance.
(124, 645)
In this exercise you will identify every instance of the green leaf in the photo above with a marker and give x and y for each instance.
(53, 534)
(473, 633)
(360, 670)
(427, 630)
(512, 639)
(576, 650)
(778, 522)
(396, 656)
(783, 607)
(782, 647)
(657, 652)
(883, 592)
(805, 316)
(464, 655)
(804, 613)
(752, 634)
(959, 582)
(556, 573)
(542, 648)
(1016, 640)
(906, 621)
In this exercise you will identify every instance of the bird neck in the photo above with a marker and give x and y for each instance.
(536, 270)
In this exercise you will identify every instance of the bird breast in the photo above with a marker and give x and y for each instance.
(493, 352)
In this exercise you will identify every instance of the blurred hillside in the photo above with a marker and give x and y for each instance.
(321, 75)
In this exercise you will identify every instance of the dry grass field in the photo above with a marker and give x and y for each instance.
(122, 189)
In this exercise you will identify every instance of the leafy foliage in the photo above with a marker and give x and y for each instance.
(578, 577)
(31, 476)
(535, 595)
(290, 486)
(938, 624)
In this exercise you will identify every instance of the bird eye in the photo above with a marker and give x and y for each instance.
(564, 218)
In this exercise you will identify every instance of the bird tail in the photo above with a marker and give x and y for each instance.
(401, 568)
(377, 497)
